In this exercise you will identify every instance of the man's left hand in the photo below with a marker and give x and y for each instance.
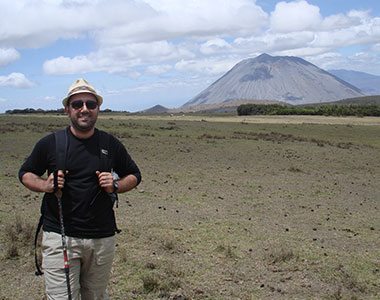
(105, 181)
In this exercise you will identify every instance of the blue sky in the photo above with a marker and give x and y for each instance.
(139, 53)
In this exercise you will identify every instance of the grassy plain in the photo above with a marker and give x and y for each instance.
(228, 208)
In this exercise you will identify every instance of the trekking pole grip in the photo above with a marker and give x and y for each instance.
(55, 176)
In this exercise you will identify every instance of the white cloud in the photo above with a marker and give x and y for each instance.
(118, 59)
(215, 45)
(122, 21)
(273, 42)
(361, 61)
(326, 60)
(300, 36)
(158, 69)
(8, 56)
(16, 80)
(365, 61)
(146, 88)
(210, 66)
(197, 19)
(137, 37)
(357, 32)
(133, 74)
(50, 98)
(295, 16)
(202, 18)
(65, 65)
(376, 47)
(44, 22)
(167, 85)
(302, 52)
(358, 14)
(339, 21)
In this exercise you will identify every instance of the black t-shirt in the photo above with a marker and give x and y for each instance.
(87, 209)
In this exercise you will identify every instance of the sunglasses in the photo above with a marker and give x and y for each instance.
(77, 104)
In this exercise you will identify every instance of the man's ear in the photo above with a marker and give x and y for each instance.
(66, 109)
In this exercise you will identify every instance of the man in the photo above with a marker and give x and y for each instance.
(89, 220)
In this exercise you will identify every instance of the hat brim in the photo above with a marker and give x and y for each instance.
(98, 97)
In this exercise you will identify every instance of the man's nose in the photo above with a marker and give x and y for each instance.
(84, 107)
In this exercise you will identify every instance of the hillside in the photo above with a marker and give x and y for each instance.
(367, 100)
(276, 78)
(157, 109)
(368, 83)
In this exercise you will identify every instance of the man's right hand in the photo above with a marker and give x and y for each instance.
(49, 188)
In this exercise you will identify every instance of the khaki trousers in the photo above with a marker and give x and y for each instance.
(90, 263)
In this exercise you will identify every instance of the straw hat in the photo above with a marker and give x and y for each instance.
(81, 86)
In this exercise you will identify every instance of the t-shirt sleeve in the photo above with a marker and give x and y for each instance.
(37, 161)
(123, 163)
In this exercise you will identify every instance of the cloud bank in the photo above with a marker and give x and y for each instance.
(156, 37)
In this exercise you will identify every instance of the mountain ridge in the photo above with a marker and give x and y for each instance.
(368, 83)
(288, 79)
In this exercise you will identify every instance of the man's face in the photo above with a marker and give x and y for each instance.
(81, 111)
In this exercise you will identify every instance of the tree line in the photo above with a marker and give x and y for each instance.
(34, 111)
(42, 111)
(320, 110)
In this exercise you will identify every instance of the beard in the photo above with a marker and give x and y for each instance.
(84, 121)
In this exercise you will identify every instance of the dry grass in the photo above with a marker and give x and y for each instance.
(226, 210)
(323, 120)
(18, 237)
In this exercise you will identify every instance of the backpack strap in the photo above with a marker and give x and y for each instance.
(106, 163)
(105, 155)
(61, 145)
(105, 158)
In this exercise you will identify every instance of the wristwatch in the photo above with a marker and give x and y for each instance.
(115, 186)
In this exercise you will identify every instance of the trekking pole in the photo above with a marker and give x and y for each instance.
(58, 194)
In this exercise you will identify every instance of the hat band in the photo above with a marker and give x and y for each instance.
(82, 88)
